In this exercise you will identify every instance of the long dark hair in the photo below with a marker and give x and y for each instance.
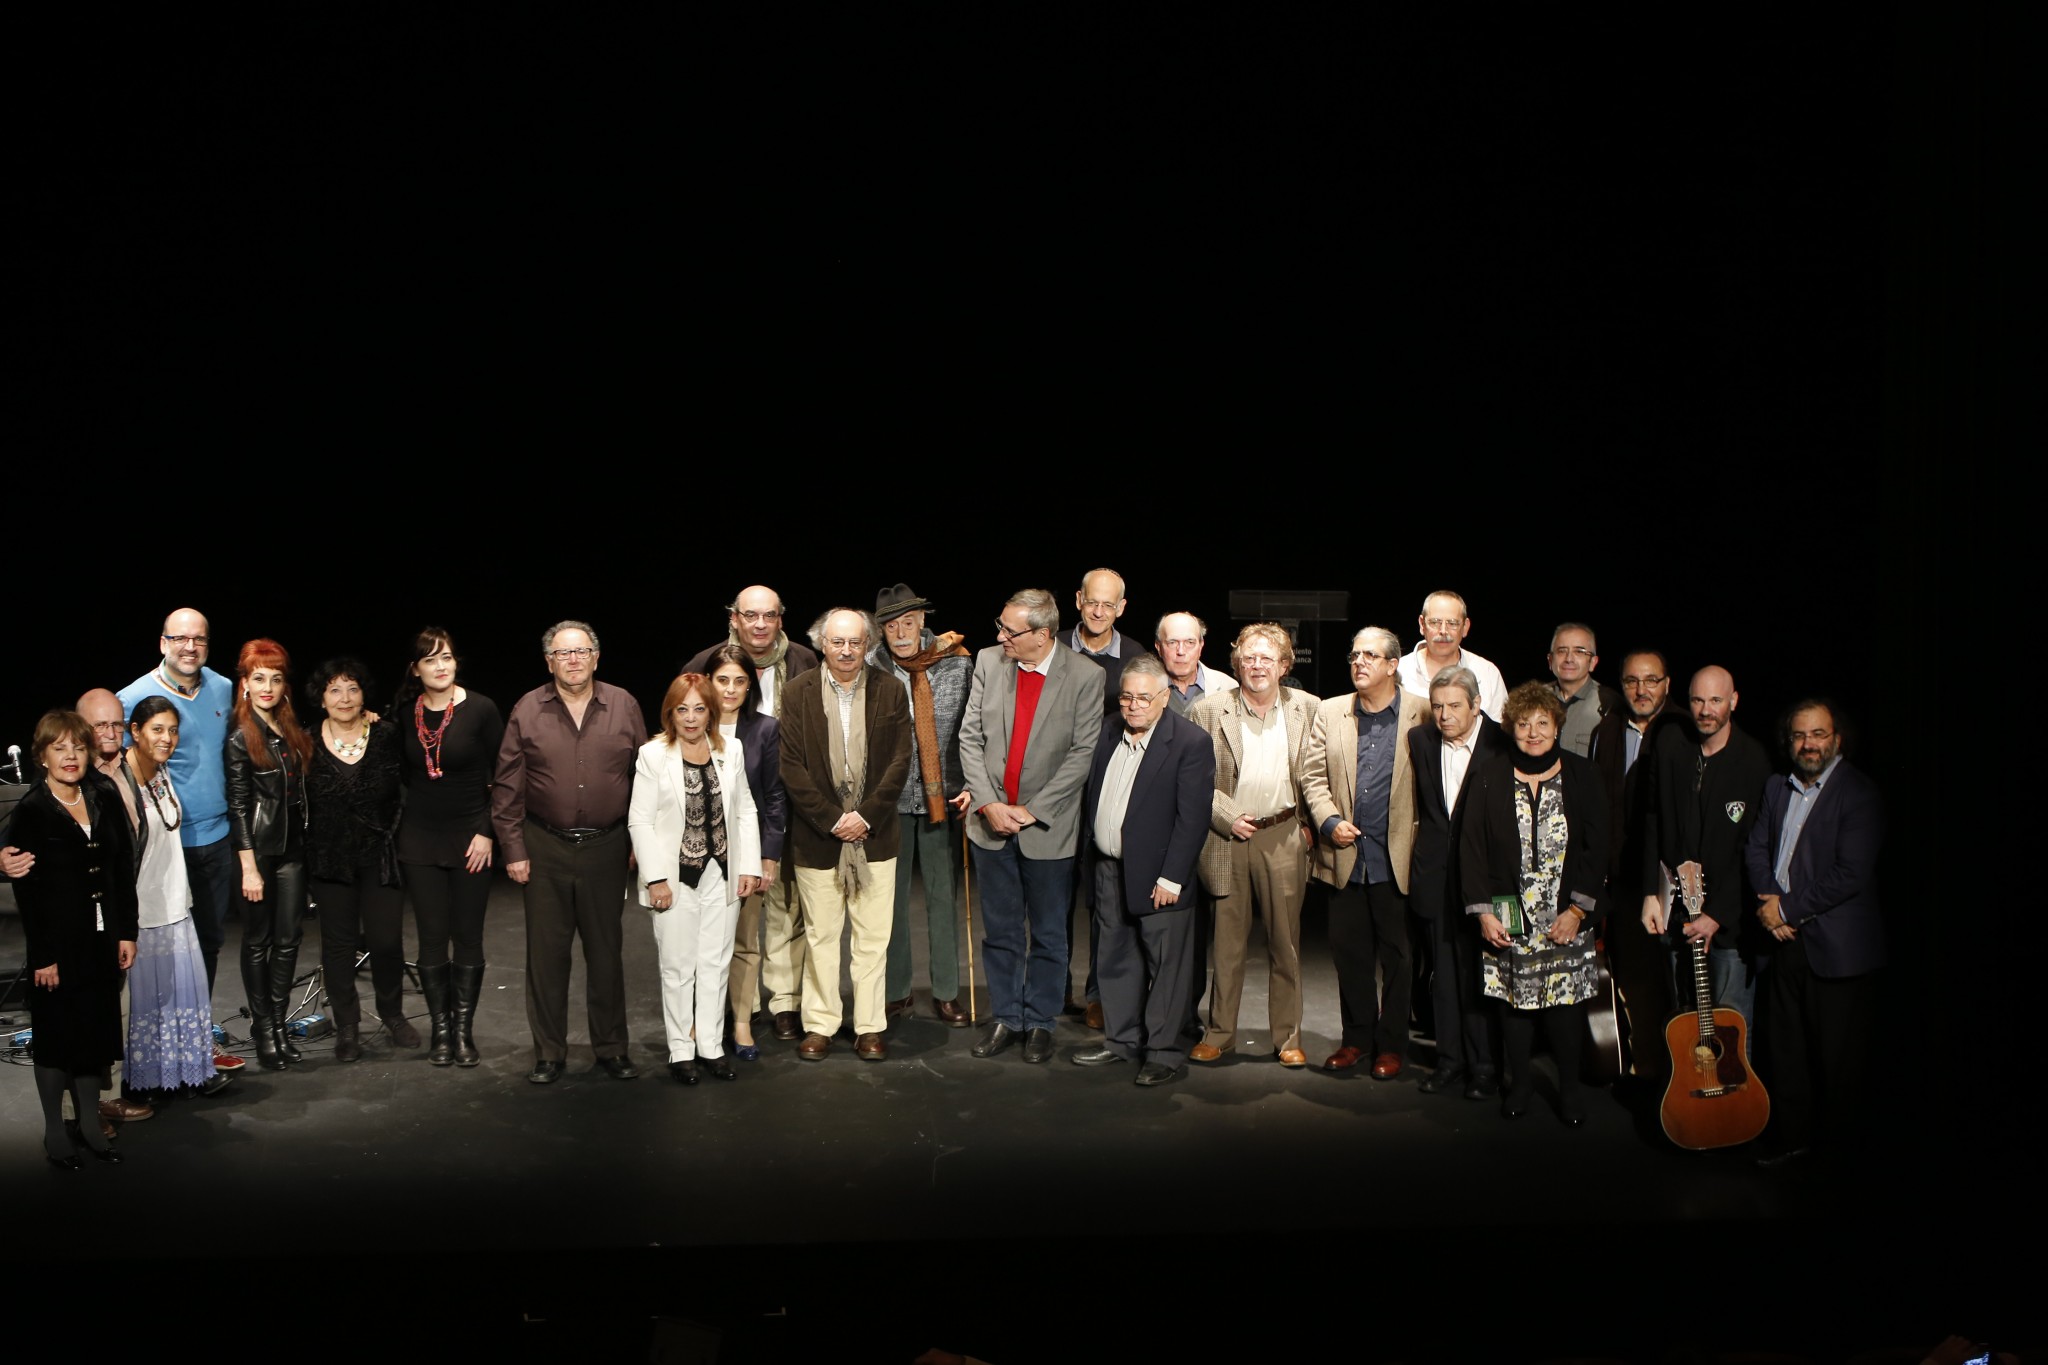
(730, 653)
(268, 654)
(430, 640)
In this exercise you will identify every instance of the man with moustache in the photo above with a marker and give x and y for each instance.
(102, 711)
(1255, 859)
(1708, 786)
(845, 758)
(564, 783)
(1442, 756)
(1627, 735)
(1360, 788)
(1445, 625)
(769, 937)
(205, 702)
(1573, 656)
(1034, 715)
(1178, 640)
(1146, 812)
(1812, 860)
(936, 672)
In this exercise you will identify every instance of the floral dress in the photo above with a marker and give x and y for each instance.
(1535, 973)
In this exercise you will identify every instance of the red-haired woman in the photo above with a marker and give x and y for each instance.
(265, 757)
(697, 840)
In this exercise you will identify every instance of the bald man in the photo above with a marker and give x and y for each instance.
(205, 701)
(768, 942)
(1708, 786)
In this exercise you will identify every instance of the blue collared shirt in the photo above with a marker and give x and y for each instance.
(1796, 810)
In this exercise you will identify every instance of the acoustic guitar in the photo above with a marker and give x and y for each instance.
(1713, 1098)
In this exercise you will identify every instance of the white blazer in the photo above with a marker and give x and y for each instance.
(655, 818)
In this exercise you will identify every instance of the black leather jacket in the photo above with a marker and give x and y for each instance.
(257, 796)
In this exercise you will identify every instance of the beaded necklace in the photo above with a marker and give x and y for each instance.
(431, 743)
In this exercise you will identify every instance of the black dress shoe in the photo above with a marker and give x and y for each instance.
(219, 1081)
(1442, 1079)
(108, 1155)
(62, 1163)
(1512, 1108)
(619, 1068)
(545, 1073)
(1572, 1114)
(1038, 1045)
(997, 1037)
(685, 1072)
(1152, 1073)
(1484, 1085)
(721, 1067)
(1099, 1055)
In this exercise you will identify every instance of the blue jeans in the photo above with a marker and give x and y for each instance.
(1025, 904)
(215, 872)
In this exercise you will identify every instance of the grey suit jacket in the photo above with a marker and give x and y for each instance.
(1056, 756)
(1217, 713)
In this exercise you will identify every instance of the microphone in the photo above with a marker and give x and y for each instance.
(14, 760)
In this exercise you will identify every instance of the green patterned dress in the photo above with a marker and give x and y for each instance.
(1535, 973)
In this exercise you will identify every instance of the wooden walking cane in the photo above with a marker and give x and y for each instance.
(967, 903)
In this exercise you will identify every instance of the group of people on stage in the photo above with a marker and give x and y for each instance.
(1469, 838)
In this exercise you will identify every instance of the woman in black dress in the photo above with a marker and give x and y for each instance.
(78, 917)
(265, 762)
(354, 788)
(449, 742)
(738, 685)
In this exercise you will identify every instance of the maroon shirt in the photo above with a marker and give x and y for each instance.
(550, 771)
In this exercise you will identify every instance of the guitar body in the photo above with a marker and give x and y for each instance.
(1713, 1098)
(1604, 1064)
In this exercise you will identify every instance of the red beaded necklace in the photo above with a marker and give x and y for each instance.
(430, 744)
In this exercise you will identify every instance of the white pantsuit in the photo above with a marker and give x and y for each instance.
(693, 937)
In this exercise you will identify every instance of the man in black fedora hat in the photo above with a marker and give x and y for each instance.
(936, 672)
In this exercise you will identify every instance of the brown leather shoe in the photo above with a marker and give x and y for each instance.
(814, 1047)
(896, 1009)
(1202, 1052)
(789, 1026)
(871, 1047)
(950, 1014)
(1343, 1059)
(1386, 1066)
(121, 1109)
(1292, 1057)
(1093, 1015)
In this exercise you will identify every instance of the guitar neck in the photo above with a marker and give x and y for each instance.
(1702, 989)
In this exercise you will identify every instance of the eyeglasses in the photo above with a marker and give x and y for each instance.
(1141, 700)
(568, 655)
(182, 640)
(1257, 660)
(114, 725)
(1179, 644)
(1444, 625)
(1361, 655)
(841, 642)
(755, 618)
(1564, 650)
(1097, 602)
(1650, 681)
(1004, 631)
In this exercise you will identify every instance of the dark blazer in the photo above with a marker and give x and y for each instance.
(807, 768)
(1433, 866)
(1833, 903)
(1167, 817)
(1490, 844)
(1627, 795)
(761, 740)
(80, 882)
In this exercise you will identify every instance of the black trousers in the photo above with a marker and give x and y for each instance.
(448, 903)
(1368, 928)
(1466, 1023)
(1819, 1037)
(576, 891)
(357, 914)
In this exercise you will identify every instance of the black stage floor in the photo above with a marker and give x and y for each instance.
(859, 1211)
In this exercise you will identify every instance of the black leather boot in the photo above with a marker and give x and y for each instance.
(469, 984)
(284, 961)
(348, 1043)
(434, 984)
(267, 1055)
(256, 985)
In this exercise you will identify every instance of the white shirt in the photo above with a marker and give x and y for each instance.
(1455, 763)
(1115, 800)
(1416, 671)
